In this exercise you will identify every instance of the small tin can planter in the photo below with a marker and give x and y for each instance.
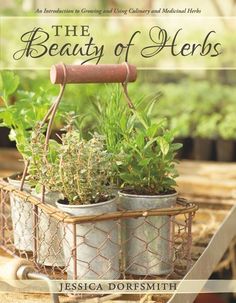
(50, 252)
(97, 255)
(22, 217)
(147, 241)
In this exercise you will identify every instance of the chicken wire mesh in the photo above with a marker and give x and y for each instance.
(141, 244)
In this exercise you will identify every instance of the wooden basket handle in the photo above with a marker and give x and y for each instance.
(101, 73)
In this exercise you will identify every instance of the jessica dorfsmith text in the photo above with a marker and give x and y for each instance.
(117, 286)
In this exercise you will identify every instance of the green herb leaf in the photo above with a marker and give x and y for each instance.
(164, 145)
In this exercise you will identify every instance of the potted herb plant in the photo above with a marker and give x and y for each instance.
(10, 117)
(147, 173)
(21, 118)
(145, 170)
(82, 173)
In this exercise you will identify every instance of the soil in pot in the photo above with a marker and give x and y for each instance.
(50, 247)
(225, 150)
(22, 216)
(203, 149)
(147, 241)
(97, 245)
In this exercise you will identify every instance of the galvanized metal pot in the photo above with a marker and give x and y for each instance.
(50, 250)
(22, 217)
(97, 246)
(147, 241)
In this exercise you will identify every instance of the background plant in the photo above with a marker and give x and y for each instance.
(22, 114)
(207, 126)
(227, 127)
(189, 107)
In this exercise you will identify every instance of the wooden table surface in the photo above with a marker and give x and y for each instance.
(208, 179)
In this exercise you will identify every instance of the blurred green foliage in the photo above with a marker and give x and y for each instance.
(21, 110)
(191, 107)
(199, 109)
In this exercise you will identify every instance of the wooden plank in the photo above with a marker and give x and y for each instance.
(202, 185)
(208, 179)
(212, 170)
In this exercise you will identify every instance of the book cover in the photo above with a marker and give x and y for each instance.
(117, 151)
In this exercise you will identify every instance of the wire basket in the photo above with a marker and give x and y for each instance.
(95, 246)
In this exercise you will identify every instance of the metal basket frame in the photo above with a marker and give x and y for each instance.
(183, 233)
